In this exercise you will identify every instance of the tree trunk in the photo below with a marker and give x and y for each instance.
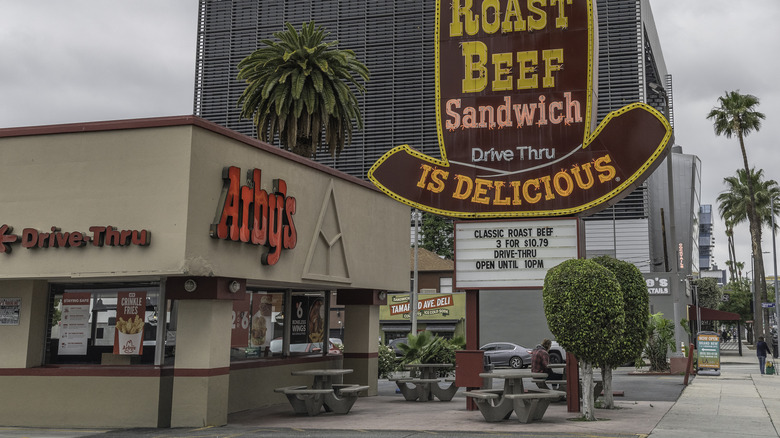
(606, 378)
(759, 279)
(588, 405)
(732, 254)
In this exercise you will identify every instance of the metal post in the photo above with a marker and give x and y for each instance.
(413, 295)
(774, 255)
(698, 311)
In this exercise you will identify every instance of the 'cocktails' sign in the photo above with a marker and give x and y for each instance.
(515, 114)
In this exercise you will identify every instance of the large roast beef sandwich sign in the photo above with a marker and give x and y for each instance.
(515, 107)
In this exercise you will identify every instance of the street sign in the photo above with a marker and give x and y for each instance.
(767, 305)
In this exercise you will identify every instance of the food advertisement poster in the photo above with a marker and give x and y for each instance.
(242, 311)
(262, 319)
(9, 310)
(74, 325)
(130, 317)
(308, 322)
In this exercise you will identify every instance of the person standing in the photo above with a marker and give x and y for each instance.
(540, 361)
(762, 351)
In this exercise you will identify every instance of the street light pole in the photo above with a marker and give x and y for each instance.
(774, 255)
(413, 294)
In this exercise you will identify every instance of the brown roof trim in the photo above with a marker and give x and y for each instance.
(158, 122)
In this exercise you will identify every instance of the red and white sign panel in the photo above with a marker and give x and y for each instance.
(130, 318)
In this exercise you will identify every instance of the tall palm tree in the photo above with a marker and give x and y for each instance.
(733, 203)
(298, 87)
(737, 116)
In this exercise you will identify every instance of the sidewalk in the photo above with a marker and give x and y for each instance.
(740, 402)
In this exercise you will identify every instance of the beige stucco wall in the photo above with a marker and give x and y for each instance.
(65, 401)
(168, 180)
(129, 179)
(22, 345)
(374, 227)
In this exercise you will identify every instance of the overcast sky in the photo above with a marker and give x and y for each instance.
(87, 60)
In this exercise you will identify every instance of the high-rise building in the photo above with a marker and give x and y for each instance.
(395, 39)
(706, 239)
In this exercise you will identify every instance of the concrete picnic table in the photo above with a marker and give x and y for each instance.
(426, 386)
(336, 398)
(498, 404)
(323, 378)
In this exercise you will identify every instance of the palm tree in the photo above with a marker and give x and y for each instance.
(297, 87)
(737, 115)
(734, 204)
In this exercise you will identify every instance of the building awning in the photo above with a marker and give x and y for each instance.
(440, 328)
(445, 326)
(396, 328)
(712, 314)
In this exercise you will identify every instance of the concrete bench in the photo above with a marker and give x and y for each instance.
(305, 400)
(484, 395)
(287, 388)
(546, 384)
(531, 406)
(416, 381)
(351, 389)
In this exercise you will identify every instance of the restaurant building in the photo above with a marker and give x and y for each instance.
(168, 272)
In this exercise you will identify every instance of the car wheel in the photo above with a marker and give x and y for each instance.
(556, 358)
(516, 362)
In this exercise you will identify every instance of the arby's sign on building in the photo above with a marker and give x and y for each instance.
(515, 107)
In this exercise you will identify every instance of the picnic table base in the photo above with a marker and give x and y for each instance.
(312, 401)
(492, 405)
(531, 406)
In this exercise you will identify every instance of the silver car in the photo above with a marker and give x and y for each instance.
(557, 353)
(503, 354)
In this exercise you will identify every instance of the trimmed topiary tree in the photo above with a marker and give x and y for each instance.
(583, 304)
(636, 308)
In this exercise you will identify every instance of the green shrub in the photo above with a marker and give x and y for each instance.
(428, 348)
(660, 340)
(387, 361)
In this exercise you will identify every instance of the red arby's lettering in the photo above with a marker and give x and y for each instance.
(250, 214)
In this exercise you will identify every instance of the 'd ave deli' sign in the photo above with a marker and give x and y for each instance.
(515, 108)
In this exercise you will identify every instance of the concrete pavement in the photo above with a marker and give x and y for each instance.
(738, 403)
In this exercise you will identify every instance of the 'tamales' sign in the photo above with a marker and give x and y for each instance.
(515, 112)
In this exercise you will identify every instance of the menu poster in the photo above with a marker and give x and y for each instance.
(239, 333)
(262, 320)
(130, 317)
(74, 324)
(316, 319)
(298, 324)
(9, 310)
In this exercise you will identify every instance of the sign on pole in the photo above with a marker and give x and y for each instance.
(511, 254)
(515, 116)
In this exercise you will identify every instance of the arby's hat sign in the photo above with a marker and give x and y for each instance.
(515, 107)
